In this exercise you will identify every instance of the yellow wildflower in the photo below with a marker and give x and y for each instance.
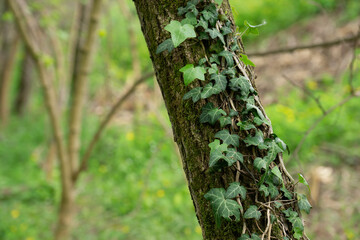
(160, 193)
(130, 136)
(15, 213)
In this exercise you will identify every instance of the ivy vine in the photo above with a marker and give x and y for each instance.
(224, 70)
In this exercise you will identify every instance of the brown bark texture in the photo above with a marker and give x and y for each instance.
(191, 136)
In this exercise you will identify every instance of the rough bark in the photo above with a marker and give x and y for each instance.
(191, 136)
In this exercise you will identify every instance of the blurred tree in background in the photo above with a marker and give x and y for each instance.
(134, 187)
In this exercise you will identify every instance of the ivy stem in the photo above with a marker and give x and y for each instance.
(238, 196)
(268, 223)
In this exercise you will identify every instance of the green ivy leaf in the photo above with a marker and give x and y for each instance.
(234, 190)
(259, 121)
(213, 69)
(202, 61)
(190, 7)
(233, 156)
(214, 33)
(191, 73)
(253, 29)
(203, 23)
(244, 58)
(254, 236)
(264, 189)
(194, 93)
(251, 107)
(260, 163)
(224, 121)
(241, 83)
(216, 152)
(281, 144)
(246, 125)
(233, 113)
(275, 170)
(210, 114)
(208, 91)
(230, 72)
(287, 193)
(179, 32)
(220, 81)
(274, 192)
(226, 137)
(226, 30)
(190, 19)
(165, 45)
(228, 57)
(252, 212)
(255, 140)
(218, 2)
(303, 181)
(215, 59)
(222, 207)
(303, 203)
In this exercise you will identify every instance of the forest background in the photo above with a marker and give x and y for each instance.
(134, 187)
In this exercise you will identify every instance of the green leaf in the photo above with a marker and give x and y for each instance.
(202, 61)
(303, 181)
(260, 163)
(226, 30)
(190, 7)
(254, 236)
(226, 137)
(221, 206)
(194, 93)
(203, 23)
(246, 125)
(252, 212)
(264, 189)
(191, 73)
(240, 84)
(251, 107)
(210, 114)
(216, 152)
(208, 91)
(220, 81)
(165, 45)
(233, 113)
(303, 203)
(228, 57)
(214, 33)
(274, 192)
(190, 19)
(275, 170)
(230, 72)
(215, 59)
(179, 32)
(233, 156)
(234, 190)
(224, 121)
(244, 58)
(277, 204)
(252, 29)
(256, 140)
(259, 121)
(287, 193)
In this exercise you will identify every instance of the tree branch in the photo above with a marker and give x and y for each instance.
(307, 46)
(105, 122)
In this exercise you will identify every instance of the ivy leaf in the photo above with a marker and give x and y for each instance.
(190, 19)
(221, 206)
(202, 61)
(213, 69)
(244, 58)
(234, 190)
(287, 193)
(190, 7)
(253, 29)
(228, 57)
(241, 83)
(214, 59)
(210, 114)
(225, 30)
(246, 125)
(203, 23)
(230, 72)
(274, 192)
(210, 14)
(264, 189)
(260, 163)
(165, 45)
(275, 170)
(303, 181)
(303, 203)
(281, 144)
(233, 113)
(259, 121)
(250, 107)
(216, 152)
(224, 121)
(179, 32)
(252, 212)
(191, 73)
(233, 156)
(194, 93)
(214, 33)
(220, 81)
(254, 236)
(209, 90)
(256, 140)
(226, 137)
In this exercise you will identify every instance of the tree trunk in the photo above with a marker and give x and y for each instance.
(193, 137)
(24, 88)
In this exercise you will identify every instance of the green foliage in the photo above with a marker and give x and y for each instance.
(234, 190)
(191, 73)
(226, 137)
(254, 236)
(211, 114)
(252, 212)
(179, 32)
(165, 45)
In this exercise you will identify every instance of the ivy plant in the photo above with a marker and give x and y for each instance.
(240, 123)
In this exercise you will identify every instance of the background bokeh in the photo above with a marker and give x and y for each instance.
(135, 186)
